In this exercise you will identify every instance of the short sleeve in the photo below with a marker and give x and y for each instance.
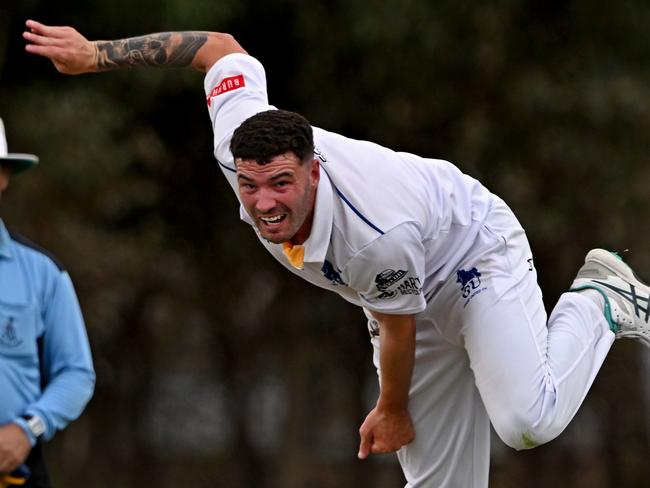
(235, 89)
(388, 273)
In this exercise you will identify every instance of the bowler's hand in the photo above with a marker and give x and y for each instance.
(385, 431)
(70, 52)
(14, 447)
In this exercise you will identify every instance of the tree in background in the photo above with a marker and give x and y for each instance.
(548, 104)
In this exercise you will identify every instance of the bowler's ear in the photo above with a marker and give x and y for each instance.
(315, 171)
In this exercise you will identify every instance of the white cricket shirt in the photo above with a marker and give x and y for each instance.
(389, 227)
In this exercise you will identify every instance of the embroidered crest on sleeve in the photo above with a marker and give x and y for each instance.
(227, 84)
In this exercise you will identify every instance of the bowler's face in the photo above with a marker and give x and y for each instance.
(279, 196)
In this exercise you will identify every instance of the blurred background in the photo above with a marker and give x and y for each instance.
(215, 368)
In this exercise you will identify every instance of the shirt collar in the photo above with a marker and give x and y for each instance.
(318, 241)
(5, 241)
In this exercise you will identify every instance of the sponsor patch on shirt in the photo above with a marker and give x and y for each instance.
(392, 283)
(227, 84)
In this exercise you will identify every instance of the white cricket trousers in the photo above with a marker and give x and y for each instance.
(486, 353)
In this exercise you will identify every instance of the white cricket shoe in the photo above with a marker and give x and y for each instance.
(626, 297)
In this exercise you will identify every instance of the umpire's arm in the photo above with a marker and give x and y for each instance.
(71, 53)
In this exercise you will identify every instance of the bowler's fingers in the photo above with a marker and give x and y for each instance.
(365, 445)
(46, 30)
(70, 52)
(37, 40)
(41, 35)
(51, 52)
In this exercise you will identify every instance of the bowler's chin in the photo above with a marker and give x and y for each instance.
(273, 237)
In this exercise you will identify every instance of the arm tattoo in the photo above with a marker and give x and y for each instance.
(166, 49)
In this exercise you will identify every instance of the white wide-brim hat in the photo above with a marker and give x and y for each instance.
(18, 162)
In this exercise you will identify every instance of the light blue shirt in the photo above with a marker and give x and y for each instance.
(43, 340)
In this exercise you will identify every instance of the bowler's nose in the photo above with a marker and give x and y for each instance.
(265, 201)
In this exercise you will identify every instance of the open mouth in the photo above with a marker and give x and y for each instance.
(273, 220)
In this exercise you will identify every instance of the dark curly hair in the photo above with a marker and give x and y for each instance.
(268, 134)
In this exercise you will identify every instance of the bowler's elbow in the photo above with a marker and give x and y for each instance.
(217, 45)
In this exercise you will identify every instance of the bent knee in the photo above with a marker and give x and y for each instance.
(521, 432)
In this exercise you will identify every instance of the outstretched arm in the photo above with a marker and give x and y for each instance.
(71, 53)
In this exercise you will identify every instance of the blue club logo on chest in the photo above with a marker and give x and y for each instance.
(331, 274)
(8, 336)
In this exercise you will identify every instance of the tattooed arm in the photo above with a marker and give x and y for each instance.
(71, 53)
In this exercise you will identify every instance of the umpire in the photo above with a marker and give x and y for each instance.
(46, 370)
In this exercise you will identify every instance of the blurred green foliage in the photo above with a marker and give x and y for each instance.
(547, 103)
